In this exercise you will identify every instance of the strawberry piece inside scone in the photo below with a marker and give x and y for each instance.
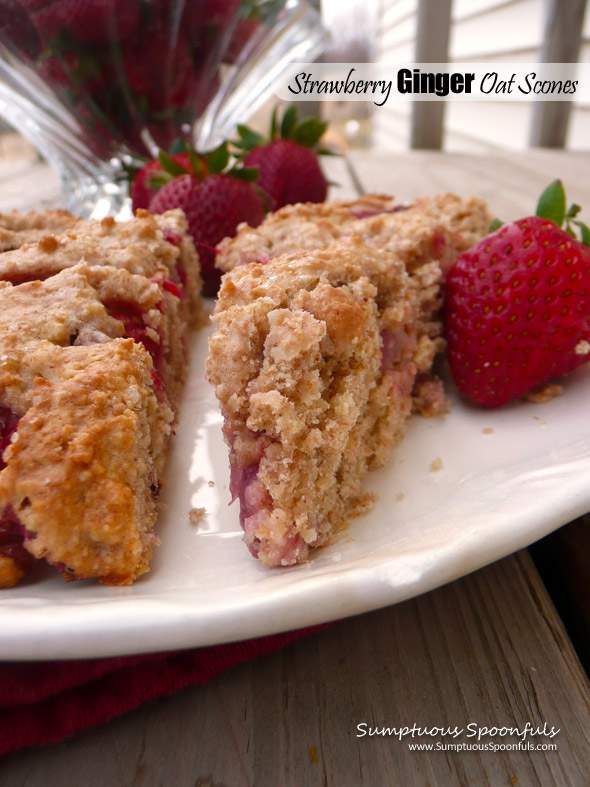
(15, 560)
(8, 423)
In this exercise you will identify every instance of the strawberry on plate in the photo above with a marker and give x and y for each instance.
(287, 162)
(518, 305)
(215, 199)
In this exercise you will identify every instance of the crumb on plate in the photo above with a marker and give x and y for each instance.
(436, 464)
(544, 394)
(195, 515)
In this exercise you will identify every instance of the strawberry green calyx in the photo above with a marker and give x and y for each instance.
(552, 207)
(199, 165)
(306, 133)
(286, 161)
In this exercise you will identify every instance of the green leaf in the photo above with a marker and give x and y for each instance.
(584, 232)
(157, 179)
(274, 123)
(218, 159)
(495, 225)
(178, 146)
(171, 166)
(249, 138)
(328, 152)
(289, 122)
(551, 205)
(248, 174)
(573, 211)
(266, 200)
(197, 165)
(308, 132)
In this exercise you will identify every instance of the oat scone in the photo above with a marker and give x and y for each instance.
(16, 228)
(157, 247)
(427, 235)
(91, 305)
(92, 356)
(439, 228)
(313, 360)
(84, 434)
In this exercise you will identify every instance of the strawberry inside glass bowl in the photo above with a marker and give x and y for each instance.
(95, 83)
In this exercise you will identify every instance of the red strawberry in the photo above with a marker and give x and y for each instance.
(141, 193)
(288, 166)
(518, 305)
(92, 21)
(214, 205)
(160, 73)
(243, 33)
(16, 29)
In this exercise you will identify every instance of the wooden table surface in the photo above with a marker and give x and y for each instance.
(486, 650)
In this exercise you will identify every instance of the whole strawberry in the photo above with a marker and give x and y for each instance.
(215, 200)
(518, 305)
(287, 163)
(91, 21)
(141, 193)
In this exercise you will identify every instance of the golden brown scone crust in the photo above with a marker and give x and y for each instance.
(91, 414)
(138, 246)
(296, 360)
(438, 228)
(16, 228)
(75, 307)
(79, 470)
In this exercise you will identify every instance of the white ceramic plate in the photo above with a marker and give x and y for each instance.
(497, 491)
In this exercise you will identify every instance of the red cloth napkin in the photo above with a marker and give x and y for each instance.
(44, 702)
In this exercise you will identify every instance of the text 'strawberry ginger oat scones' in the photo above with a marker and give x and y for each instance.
(313, 360)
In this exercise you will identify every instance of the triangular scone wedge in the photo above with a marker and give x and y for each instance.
(436, 228)
(427, 235)
(313, 360)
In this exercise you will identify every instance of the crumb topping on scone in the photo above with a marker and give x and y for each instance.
(439, 227)
(16, 228)
(313, 361)
(93, 318)
(81, 469)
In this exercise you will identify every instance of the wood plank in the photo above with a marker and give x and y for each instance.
(561, 44)
(511, 182)
(432, 43)
(27, 184)
(487, 649)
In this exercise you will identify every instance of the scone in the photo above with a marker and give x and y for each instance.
(16, 228)
(439, 228)
(91, 305)
(92, 358)
(157, 247)
(86, 436)
(313, 360)
(427, 235)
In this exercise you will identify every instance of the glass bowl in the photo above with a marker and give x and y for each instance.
(93, 84)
